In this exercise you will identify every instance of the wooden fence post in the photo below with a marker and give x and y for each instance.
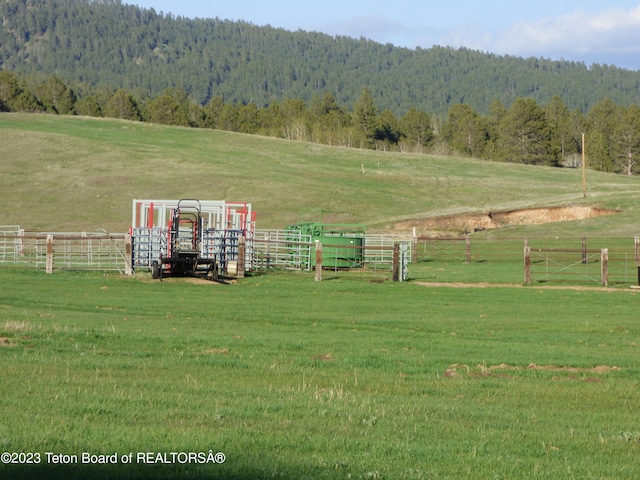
(268, 250)
(396, 262)
(414, 245)
(527, 265)
(604, 262)
(49, 262)
(128, 254)
(318, 262)
(242, 248)
(21, 235)
(584, 250)
(468, 242)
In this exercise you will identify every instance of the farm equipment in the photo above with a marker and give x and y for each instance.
(184, 257)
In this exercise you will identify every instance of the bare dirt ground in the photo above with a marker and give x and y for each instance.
(456, 369)
(470, 222)
(192, 280)
(510, 285)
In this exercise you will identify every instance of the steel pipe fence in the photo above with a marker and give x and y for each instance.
(65, 251)
(568, 260)
(293, 250)
(282, 249)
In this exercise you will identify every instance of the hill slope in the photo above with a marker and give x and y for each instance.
(81, 174)
(117, 45)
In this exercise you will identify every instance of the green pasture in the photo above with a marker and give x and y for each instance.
(354, 377)
(81, 174)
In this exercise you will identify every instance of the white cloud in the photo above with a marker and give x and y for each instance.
(610, 33)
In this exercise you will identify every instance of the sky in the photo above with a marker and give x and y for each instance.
(589, 31)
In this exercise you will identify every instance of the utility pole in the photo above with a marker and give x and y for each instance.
(584, 171)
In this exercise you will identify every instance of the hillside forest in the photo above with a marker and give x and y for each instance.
(107, 59)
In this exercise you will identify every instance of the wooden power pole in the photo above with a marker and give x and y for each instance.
(584, 171)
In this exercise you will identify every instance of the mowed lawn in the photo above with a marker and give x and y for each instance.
(289, 378)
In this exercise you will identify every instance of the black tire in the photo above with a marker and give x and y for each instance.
(155, 270)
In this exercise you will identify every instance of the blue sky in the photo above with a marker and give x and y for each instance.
(591, 31)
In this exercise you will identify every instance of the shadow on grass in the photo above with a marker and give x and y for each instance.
(133, 472)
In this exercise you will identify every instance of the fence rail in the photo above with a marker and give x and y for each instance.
(569, 260)
(292, 250)
(591, 260)
(66, 251)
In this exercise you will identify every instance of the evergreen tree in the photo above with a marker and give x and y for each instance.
(601, 118)
(270, 120)
(166, 110)
(578, 127)
(365, 113)
(464, 131)
(626, 139)
(122, 105)
(228, 118)
(248, 118)
(112, 44)
(88, 106)
(56, 96)
(561, 139)
(522, 135)
(9, 91)
(212, 111)
(598, 152)
(328, 119)
(416, 129)
(490, 125)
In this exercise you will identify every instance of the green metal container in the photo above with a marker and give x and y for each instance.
(341, 243)
(341, 251)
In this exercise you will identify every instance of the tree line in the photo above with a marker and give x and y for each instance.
(109, 43)
(526, 132)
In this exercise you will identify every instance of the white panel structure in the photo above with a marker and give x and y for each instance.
(223, 224)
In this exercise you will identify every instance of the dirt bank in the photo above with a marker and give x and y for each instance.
(483, 221)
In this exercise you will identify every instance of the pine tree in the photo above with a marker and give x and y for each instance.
(365, 113)
(626, 139)
(56, 96)
(601, 118)
(464, 131)
(523, 136)
(416, 129)
(122, 105)
(561, 141)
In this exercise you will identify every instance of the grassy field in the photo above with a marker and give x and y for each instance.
(290, 378)
(355, 377)
(81, 174)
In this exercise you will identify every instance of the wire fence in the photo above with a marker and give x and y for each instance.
(593, 260)
(562, 260)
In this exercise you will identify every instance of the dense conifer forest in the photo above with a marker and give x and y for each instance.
(107, 58)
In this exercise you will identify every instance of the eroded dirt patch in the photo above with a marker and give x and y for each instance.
(5, 342)
(216, 351)
(510, 285)
(471, 222)
(457, 369)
